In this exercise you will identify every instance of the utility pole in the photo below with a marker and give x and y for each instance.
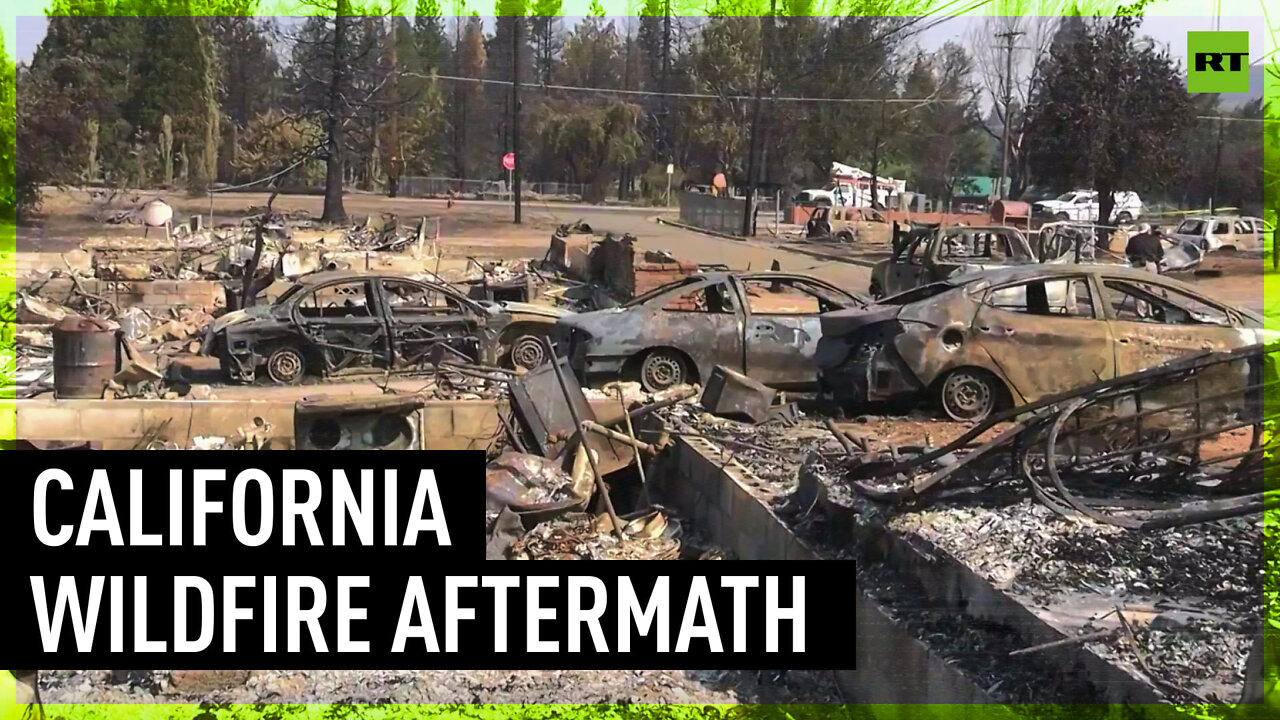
(1217, 161)
(517, 22)
(749, 206)
(458, 127)
(1008, 100)
(666, 71)
(393, 178)
(875, 162)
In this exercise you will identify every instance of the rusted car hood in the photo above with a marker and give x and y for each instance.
(236, 317)
(845, 322)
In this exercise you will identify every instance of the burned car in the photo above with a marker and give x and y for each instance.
(333, 323)
(925, 255)
(1002, 338)
(763, 324)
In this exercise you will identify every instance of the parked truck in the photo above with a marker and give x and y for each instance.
(1082, 206)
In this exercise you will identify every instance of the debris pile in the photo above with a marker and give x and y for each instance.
(583, 537)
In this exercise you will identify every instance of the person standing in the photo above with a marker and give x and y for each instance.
(1145, 250)
(393, 175)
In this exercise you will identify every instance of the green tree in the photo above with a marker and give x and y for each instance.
(543, 22)
(8, 136)
(944, 141)
(1110, 107)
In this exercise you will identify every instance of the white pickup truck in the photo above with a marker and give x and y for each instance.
(1082, 206)
(835, 194)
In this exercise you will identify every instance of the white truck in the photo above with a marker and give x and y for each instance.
(833, 194)
(1082, 206)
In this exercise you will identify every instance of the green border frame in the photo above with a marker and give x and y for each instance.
(9, 710)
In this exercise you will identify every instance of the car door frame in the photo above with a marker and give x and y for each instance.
(376, 316)
(977, 330)
(672, 336)
(1123, 343)
(471, 312)
(738, 282)
(895, 282)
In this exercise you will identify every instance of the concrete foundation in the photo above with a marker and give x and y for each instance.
(892, 666)
(124, 424)
(733, 507)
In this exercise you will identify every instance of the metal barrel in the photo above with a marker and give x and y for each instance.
(86, 355)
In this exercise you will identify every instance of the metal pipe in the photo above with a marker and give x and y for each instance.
(612, 434)
(635, 445)
(665, 403)
(577, 421)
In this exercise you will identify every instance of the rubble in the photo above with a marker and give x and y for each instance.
(718, 690)
(582, 537)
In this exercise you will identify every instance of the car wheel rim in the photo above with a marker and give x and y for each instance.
(528, 353)
(285, 366)
(967, 397)
(662, 371)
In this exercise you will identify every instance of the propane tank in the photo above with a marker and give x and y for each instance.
(157, 213)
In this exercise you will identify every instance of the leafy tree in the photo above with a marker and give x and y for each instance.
(273, 137)
(543, 21)
(468, 101)
(944, 142)
(1109, 109)
(593, 139)
(8, 136)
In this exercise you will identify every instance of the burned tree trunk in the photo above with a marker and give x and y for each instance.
(334, 165)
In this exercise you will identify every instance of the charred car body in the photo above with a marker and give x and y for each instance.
(764, 324)
(332, 323)
(1008, 337)
(930, 254)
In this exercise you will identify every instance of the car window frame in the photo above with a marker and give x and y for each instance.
(1083, 277)
(728, 293)
(465, 306)
(745, 296)
(1234, 320)
(372, 300)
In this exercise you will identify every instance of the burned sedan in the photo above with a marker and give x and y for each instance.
(764, 324)
(334, 323)
(929, 254)
(979, 342)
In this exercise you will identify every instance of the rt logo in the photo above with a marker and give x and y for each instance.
(1218, 62)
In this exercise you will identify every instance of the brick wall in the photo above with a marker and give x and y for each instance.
(150, 295)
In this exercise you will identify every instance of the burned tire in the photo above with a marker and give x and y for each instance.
(662, 369)
(286, 365)
(969, 395)
(1062, 217)
(528, 352)
(844, 236)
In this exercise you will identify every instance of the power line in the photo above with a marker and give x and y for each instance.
(1233, 119)
(686, 96)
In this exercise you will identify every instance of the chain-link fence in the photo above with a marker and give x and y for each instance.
(417, 186)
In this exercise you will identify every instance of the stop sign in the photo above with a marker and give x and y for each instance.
(509, 161)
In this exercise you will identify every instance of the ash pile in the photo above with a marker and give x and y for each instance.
(1126, 516)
